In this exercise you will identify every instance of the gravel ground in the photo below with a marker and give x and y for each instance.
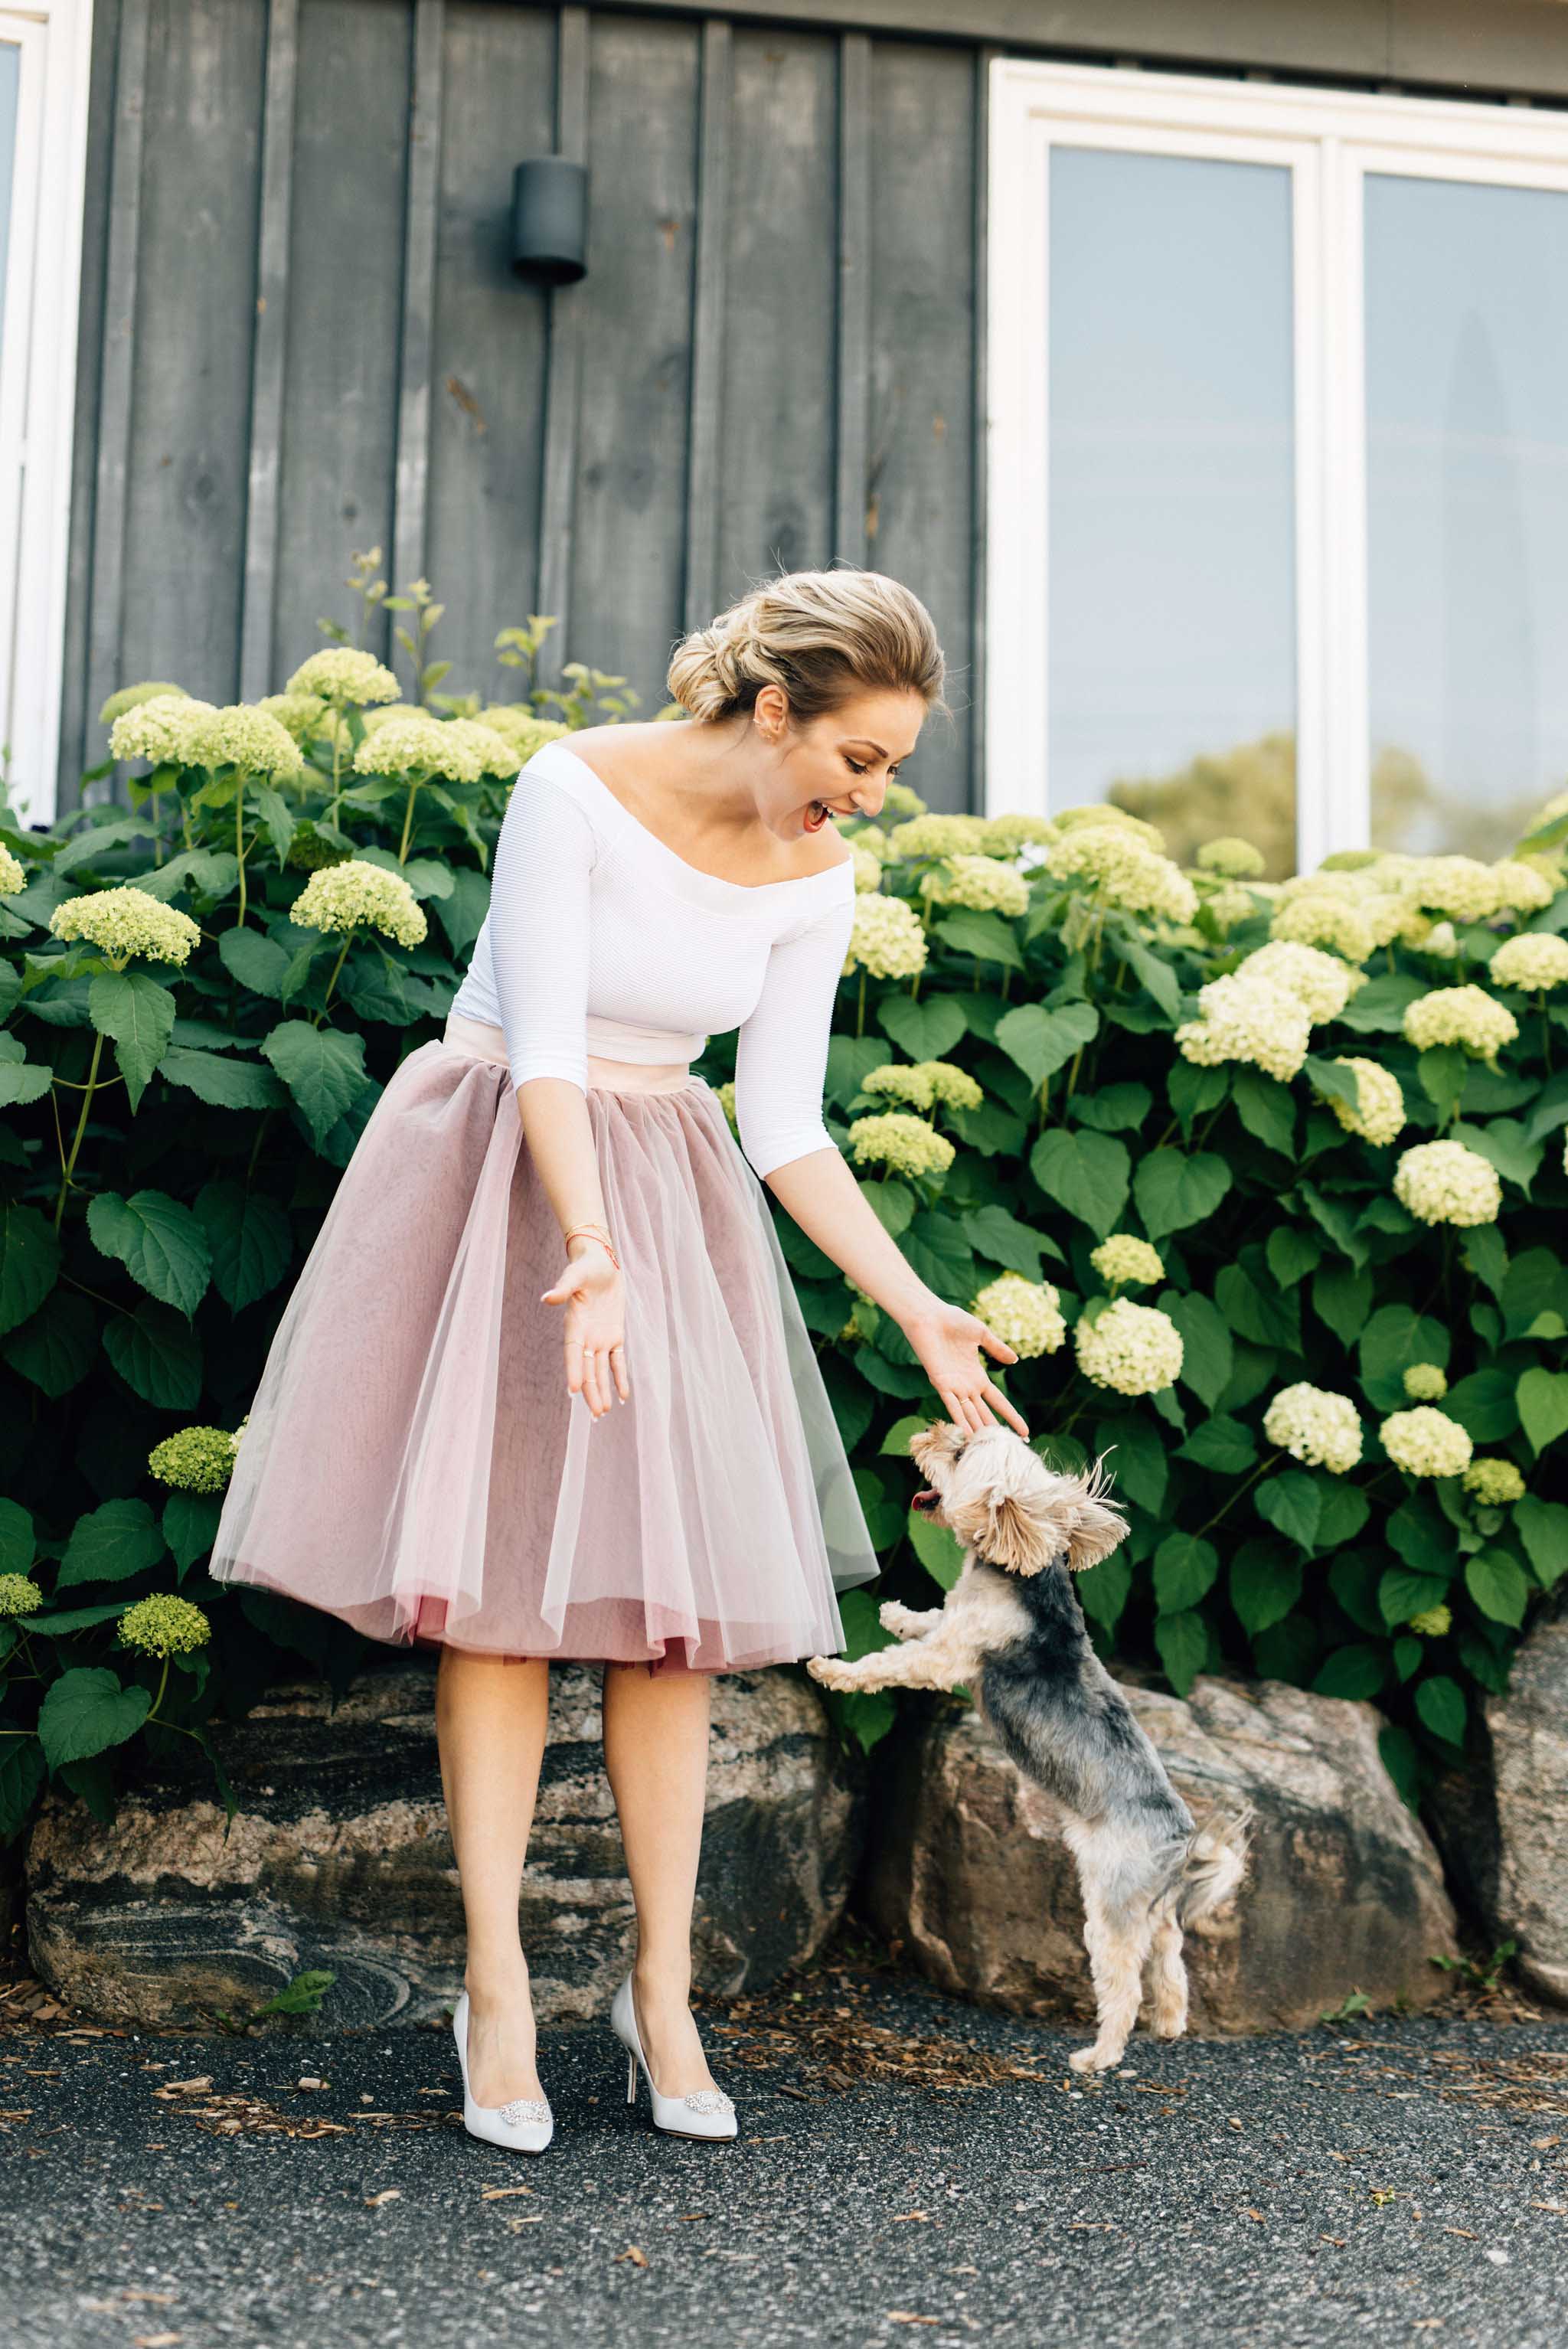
(1379, 2179)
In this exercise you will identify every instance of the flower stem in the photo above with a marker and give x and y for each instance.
(1251, 1478)
(332, 982)
(240, 843)
(408, 823)
(70, 1166)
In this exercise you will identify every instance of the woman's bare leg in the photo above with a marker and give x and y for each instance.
(490, 1718)
(655, 1752)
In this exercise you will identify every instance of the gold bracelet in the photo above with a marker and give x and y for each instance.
(596, 1232)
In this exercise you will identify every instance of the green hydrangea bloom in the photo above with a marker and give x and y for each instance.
(1424, 1383)
(907, 1144)
(131, 696)
(357, 894)
(13, 874)
(1232, 857)
(194, 1459)
(126, 922)
(19, 1595)
(164, 1625)
(344, 675)
(1494, 1483)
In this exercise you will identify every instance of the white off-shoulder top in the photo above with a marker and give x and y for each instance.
(601, 939)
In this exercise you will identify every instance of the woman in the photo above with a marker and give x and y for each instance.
(680, 1502)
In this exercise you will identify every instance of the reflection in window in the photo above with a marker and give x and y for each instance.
(1466, 476)
(1172, 468)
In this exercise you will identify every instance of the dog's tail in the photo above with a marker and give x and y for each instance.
(1216, 1863)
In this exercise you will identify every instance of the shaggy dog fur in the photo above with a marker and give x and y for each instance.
(1012, 1630)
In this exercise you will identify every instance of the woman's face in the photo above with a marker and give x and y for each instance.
(838, 765)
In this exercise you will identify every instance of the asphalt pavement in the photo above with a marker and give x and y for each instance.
(908, 2169)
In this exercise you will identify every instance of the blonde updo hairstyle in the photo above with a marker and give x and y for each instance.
(819, 636)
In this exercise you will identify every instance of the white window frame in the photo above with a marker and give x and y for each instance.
(1329, 140)
(37, 384)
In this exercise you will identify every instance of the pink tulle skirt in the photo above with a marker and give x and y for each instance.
(414, 1465)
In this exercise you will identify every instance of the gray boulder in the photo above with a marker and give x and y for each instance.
(1343, 1892)
(1502, 1822)
(339, 1857)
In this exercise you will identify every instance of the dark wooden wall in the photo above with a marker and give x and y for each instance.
(301, 334)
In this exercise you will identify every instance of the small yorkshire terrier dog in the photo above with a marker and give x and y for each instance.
(1012, 1630)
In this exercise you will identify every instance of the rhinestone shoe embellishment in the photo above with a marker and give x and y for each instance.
(524, 2108)
(707, 2100)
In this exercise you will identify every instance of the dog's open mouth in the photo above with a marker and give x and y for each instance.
(926, 1498)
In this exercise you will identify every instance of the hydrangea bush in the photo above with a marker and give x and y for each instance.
(1264, 1182)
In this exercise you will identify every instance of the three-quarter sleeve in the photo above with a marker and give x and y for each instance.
(539, 931)
(781, 1050)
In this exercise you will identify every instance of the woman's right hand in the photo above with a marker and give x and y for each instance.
(592, 1290)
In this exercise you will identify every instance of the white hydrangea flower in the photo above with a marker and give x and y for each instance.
(1459, 886)
(1236, 859)
(13, 874)
(300, 714)
(1247, 1019)
(1459, 1015)
(1325, 917)
(239, 736)
(922, 1083)
(1424, 1383)
(1134, 1349)
(414, 747)
(868, 869)
(1379, 1113)
(1231, 903)
(130, 696)
(982, 883)
(126, 922)
(1006, 834)
(342, 675)
(1103, 812)
(165, 730)
(1126, 872)
(909, 1146)
(1522, 888)
(1426, 1442)
(1494, 1483)
(1322, 981)
(1534, 960)
(938, 835)
(1125, 1260)
(1445, 1182)
(886, 940)
(1321, 1429)
(497, 754)
(1026, 1313)
(357, 894)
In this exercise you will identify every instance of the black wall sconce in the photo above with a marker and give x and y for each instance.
(550, 220)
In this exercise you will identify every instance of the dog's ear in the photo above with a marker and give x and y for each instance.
(1004, 1527)
(1044, 1517)
(1091, 1523)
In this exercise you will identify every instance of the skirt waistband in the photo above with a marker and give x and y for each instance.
(485, 1043)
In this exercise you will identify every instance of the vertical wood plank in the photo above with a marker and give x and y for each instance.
(978, 788)
(775, 507)
(106, 627)
(259, 598)
(195, 325)
(486, 422)
(628, 514)
(920, 470)
(704, 444)
(564, 366)
(854, 298)
(74, 716)
(341, 388)
(421, 223)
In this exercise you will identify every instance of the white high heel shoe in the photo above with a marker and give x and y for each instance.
(525, 2126)
(706, 2113)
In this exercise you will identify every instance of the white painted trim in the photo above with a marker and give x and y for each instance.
(1329, 140)
(37, 392)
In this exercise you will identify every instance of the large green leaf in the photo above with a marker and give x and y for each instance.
(1104, 1589)
(462, 912)
(256, 961)
(1266, 1108)
(1000, 1238)
(1542, 1527)
(29, 1262)
(1499, 1585)
(1182, 1640)
(18, 1543)
(139, 1014)
(986, 937)
(1222, 1443)
(1542, 1400)
(1354, 1671)
(926, 1030)
(1111, 1109)
(21, 1775)
(1041, 1041)
(1342, 1296)
(1403, 1593)
(221, 1084)
(251, 1241)
(57, 1347)
(1087, 1174)
(1440, 1703)
(938, 1550)
(157, 1354)
(323, 1069)
(1175, 1190)
(1395, 1338)
(22, 1081)
(1379, 1008)
(110, 1544)
(1208, 1356)
(1136, 1458)
(1292, 1505)
(160, 1243)
(1268, 1317)
(86, 1711)
(1184, 1571)
(1265, 1583)
(1505, 1143)
(1485, 1404)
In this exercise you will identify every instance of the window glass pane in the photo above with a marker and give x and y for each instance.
(1467, 494)
(10, 85)
(1171, 664)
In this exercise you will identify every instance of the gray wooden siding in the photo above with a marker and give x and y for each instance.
(303, 337)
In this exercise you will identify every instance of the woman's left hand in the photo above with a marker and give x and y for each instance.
(948, 1340)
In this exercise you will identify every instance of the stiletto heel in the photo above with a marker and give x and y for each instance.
(706, 2113)
(524, 2125)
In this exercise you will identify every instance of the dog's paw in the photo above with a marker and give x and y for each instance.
(1094, 2059)
(831, 1671)
(897, 1618)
